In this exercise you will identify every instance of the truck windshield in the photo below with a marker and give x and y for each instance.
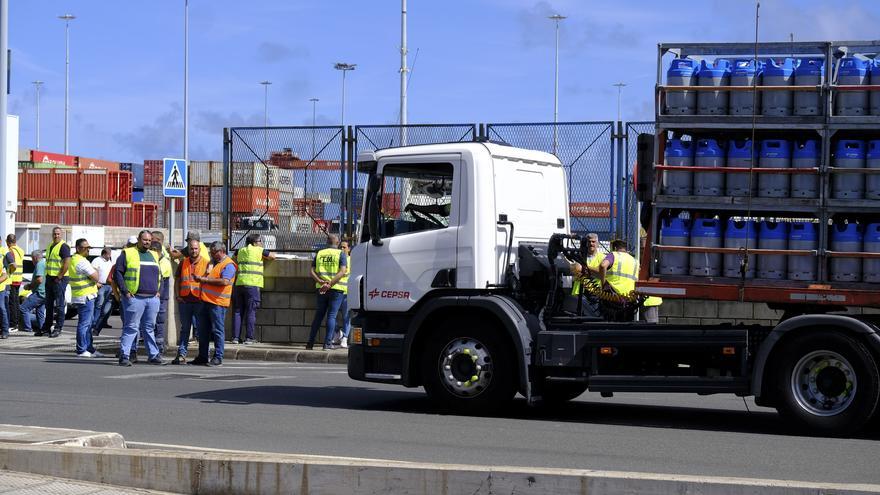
(416, 197)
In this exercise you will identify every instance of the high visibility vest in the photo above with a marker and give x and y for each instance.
(652, 301)
(623, 273)
(80, 285)
(327, 266)
(344, 280)
(53, 259)
(188, 285)
(592, 262)
(220, 295)
(18, 254)
(3, 272)
(250, 266)
(165, 267)
(133, 268)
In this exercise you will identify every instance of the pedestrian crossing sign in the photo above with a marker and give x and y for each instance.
(175, 178)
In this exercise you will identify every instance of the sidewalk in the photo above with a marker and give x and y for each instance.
(14, 483)
(109, 345)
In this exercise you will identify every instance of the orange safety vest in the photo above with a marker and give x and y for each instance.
(188, 285)
(220, 295)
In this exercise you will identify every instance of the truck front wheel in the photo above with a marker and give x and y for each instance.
(469, 367)
(829, 384)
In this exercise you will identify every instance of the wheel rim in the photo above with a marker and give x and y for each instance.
(465, 367)
(823, 383)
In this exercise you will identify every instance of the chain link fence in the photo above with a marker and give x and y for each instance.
(633, 129)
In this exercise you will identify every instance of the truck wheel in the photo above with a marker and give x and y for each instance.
(554, 393)
(829, 384)
(469, 368)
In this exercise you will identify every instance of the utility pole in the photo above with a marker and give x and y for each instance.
(313, 157)
(620, 87)
(5, 166)
(556, 18)
(344, 67)
(66, 18)
(265, 117)
(37, 85)
(185, 117)
(403, 73)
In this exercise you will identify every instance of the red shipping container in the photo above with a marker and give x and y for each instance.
(200, 199)
(19, 212)
(153, 172)
(38, 184)
(119, 186)
(93, 185)
(250, 199)
(65, 184)
(22, 183)
(66, 212)
(119, 215)
(40, 212)
(53, 158)
(93, 213)
(144, 214)
(95, 163)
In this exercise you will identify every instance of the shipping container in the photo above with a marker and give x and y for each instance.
(93, 213)
(39, 212)
(254, 174)
(153, 173)
(144, 215)
(24, 154)
(153, 194)
(56, 159)
(250, 199)
(137, 196)
(199, 173)
(22, 183)
(95, 163)
(38, 184)
(66, 212)
(217, 198)
(163, 220)
(119, 186)
(217, 175)
(120, 215)
(137, 175)
(286, 179)
(65, 184)
(199, 221)
(285, 201)
(308, 207)
(199, 199)
(25, 164)
(93, 185)
(217, 221)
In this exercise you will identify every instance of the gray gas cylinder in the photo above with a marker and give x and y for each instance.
(874, 99)
(682, 72)
(846, 238)
(713, 74)
(805, 154)
(743, 73)
(679, 154)
(740, 234)
(809, 72)
(705, 233)
(853, 71)
(674, 232)
(849, 153)
(777, 73)
(803, 236)
(739, 154)
(775, 153)
(871, 267)
(772, 235)
(708, 154)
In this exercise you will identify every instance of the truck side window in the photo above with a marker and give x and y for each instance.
(415, 197)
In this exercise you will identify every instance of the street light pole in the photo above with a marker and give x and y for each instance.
(265, 116)
(403, 72)
(556, 18)
(313, 157)
(620, 87)
(344, 67)
(185, 117)
(66, 18)
(37, 85)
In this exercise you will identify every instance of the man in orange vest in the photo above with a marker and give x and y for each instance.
(216, 294)
(189, 295)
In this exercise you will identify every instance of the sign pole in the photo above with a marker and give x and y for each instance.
(175, 186)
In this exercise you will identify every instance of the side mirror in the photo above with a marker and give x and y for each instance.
(373, 209)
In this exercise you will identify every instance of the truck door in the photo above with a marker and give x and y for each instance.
(419, 228)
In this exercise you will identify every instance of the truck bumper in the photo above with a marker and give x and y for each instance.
(376, 365)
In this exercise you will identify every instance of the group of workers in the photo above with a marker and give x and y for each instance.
(616, 271)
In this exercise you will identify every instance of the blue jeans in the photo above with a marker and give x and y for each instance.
(54, 303)
(328, 305)
(212, 322)
(138, 316)
(245, 301)
(346, 317)
(84, 326)
(103, 305)
(4, 313)
(33, 303)
(188, 313)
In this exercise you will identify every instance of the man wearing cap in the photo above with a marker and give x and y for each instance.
(216, 294)
(183, 253)
(84, 284)
(57, 267)
(246, 294)
(137, 277)
(15, 268)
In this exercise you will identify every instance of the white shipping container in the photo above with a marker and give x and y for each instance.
(199, 173)
(153, 194)
(217, 174)
(274, 174)
(285, 201)
(199, 221)
(216, 198)
(217, 221)
(248, 174)
(286, 178)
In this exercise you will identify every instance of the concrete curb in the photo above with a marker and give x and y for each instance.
(37, 435)
(247, 472)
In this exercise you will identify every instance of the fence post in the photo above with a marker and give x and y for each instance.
(227, 185)
(621, 190)
(349, 159)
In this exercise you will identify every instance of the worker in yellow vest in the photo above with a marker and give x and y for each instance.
(246, 294)
(137, 277)
(15, 258)
(4, 295)
(216, 293)
(57, 266)
(619, 270)
(329, 268)
(84, 285)
(342, 335)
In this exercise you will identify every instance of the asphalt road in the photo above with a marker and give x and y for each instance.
(316, 409)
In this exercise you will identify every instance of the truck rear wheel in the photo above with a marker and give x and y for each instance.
(469, 367)
(829, 384)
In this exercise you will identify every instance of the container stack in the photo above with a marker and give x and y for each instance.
(772, 176)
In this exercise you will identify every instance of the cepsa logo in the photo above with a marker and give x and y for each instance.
(388, 294)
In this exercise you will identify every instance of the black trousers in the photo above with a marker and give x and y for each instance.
(12, 306)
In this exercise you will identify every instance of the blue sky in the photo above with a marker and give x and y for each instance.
(474, 61)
